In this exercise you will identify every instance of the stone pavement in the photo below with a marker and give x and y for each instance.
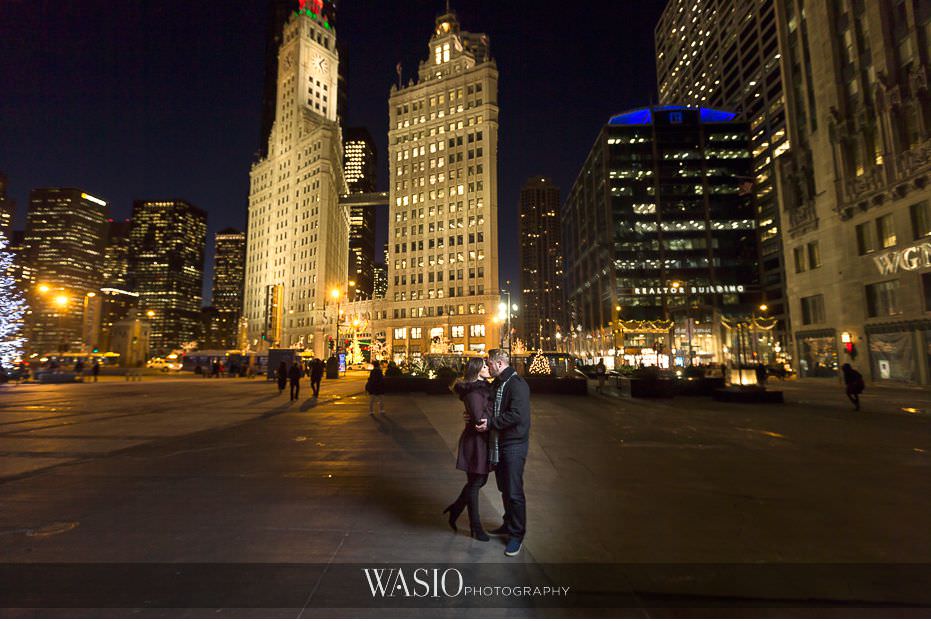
(226, 471)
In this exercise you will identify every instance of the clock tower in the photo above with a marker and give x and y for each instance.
(298, 234)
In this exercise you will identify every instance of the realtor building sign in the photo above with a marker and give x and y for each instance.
(691, 290)
(908, 259)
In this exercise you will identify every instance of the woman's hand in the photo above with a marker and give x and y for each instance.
(483, 427)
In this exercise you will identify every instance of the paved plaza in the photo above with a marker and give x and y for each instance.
(177, 470)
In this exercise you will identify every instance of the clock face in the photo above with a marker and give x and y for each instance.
(320, 64)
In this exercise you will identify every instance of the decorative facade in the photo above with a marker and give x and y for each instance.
(298, 234)
(855, 192)
(443, 229)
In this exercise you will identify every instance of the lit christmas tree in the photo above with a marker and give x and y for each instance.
(12, 310)
(355, 350)
(540, 365)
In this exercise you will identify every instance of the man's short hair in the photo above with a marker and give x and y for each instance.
(499, 355)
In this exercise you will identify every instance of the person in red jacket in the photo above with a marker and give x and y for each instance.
(475, 393)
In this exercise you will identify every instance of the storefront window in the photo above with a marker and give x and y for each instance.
(892, 356)
(818, 356)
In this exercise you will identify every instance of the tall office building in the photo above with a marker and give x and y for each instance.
(298, 236)
(360, 160)
(362, 209)
(443, 217)
(541, 268)
(7, 208)
(658, 235)
(66, 230)
(380, 281)
(167, 241)
(360, 164)
(278, 13)
(856, 196)
(116, 255)
(229, 270)
(725, 54)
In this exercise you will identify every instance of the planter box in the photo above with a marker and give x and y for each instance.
(636, 388)
(56, 378)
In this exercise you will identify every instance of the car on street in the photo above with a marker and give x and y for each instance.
(163, 365)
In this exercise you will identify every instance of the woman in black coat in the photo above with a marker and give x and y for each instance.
(375, 386)
(282, 376)
(475, 392)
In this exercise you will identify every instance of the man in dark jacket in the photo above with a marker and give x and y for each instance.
(294, 375)
(316, 375)
(510, 427)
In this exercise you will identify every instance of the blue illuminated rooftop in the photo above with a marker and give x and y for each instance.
(644, 116)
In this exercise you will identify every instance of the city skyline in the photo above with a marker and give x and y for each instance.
(124, 136)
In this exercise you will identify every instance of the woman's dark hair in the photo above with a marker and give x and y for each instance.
(473, 368)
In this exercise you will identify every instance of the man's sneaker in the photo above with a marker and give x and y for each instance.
(513, 547)
(501, 531)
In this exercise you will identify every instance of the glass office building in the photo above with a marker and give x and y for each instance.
(659, 235)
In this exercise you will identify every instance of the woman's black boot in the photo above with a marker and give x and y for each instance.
(480, 534)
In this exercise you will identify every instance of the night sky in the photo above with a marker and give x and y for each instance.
(162, 98)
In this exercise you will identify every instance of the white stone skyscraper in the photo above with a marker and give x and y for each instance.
(443, 211)
(298, 234)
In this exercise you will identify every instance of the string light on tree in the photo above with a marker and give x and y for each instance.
(540, 365)
(12, 310)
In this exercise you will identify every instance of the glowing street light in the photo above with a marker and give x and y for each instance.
(61, 301)
(150, 314)
(43, 289)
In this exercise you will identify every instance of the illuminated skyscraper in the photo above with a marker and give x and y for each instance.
(278, 13)
(656, 228)
(360, 161)
(541, 269)
(298, 237)
(7, 208)
(66, 231)
(167, 240)
(443, 211)
(360, 165)
(229, 268)
(116, 255)
(726, 55)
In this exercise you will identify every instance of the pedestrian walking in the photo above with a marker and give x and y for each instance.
(375, 386)
(476, 394)
(761, 374)
(853, 383)
(282, 376)
(95, 370)
(508, 445)
(316, 375)
(294, 375)
(601, 372)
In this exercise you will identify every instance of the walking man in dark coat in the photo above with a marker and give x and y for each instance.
(294, 375)
(509, 442)
(316, 375)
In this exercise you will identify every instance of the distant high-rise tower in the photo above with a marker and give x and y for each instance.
(298, 237)
(167, 241)
(229, 269)
(541, 270)
(7, 209)
(360, 160)
(359, 166)
(116, 255)
(726, 55)
(278, 13)
(443, 212)
(66, 230)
